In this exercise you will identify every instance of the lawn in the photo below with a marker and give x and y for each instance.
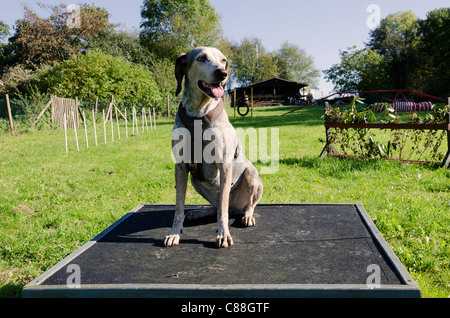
(52, 202)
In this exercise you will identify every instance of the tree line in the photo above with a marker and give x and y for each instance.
(403, 52)
(98, 59)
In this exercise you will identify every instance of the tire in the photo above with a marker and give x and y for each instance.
(243, 105)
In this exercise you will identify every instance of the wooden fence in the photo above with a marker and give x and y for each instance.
(61, 106)
(330, 150)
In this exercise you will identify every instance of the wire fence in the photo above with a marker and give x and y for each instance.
(25, 112)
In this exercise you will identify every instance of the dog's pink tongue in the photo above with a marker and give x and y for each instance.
(217, 91)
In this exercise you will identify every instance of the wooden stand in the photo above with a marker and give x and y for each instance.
(330, 150)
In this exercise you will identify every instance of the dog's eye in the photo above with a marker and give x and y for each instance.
(202, 58)
(224, 61)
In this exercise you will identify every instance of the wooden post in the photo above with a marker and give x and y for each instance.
(234, 103)
(78, 109)
(126, 123)
(41, 113)
(168, 107)
(112, 124)
(104, 125)
(252, 101)
(150, 118)
(85, 130)
(75, 130)
(95, 129)
(96, 105)
(132, 121)
(446, 161)
(110, 108)
(154, 117)
(8, 108)
(118, 110)
(135, 121)
(65, 131)
(117, 121)
(326, 150)
(142, 115)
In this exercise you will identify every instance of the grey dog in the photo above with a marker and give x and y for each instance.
(230, 183)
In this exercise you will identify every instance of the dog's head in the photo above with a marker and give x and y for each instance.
(206, 70)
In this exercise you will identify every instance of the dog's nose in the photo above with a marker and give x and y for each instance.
(221, 73)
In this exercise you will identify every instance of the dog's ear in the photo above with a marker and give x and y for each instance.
(180, 71)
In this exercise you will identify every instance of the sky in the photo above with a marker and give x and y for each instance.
(320, 27)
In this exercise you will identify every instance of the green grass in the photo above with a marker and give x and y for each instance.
(52, 202)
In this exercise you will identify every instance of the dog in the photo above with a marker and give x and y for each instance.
(230, 183)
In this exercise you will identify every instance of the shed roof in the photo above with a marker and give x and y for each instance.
(275, 81)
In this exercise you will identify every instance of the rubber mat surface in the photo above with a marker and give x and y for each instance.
(290, 244)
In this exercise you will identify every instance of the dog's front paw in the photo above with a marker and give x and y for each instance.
(248, 221)
(224, 240)
(171, 240)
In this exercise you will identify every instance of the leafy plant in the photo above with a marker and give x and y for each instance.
(96, 74)
(411, 144)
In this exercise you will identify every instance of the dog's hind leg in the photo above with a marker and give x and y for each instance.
(197, 214)
(246, 195)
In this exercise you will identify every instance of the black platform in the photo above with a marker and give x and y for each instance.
(295, 250)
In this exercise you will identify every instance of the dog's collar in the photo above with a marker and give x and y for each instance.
(207, 120)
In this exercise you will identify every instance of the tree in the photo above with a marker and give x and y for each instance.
(395, 34)
(96, 74)
(122, 44)
(173, 27)
(4, 30)
(402, 52)
(294, 64)
(396, 38)
(435, 51)
(251, 63)
(38, 41)
(362, 69)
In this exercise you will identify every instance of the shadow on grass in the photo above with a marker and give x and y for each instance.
(11, 290)
(271, 117)
(341, 167)
(333, 167)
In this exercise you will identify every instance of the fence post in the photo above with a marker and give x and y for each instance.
(95, 129)
(329, 148)
(446, 161)
(325, 150)
(168, 107)
(65, 131)
(8, 108)
(252, 101)
(75, 130)
(234, 107)
(126, 123)
(42, 113)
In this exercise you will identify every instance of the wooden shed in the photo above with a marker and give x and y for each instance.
(273, 91)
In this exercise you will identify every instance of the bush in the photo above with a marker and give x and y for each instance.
(96, 74)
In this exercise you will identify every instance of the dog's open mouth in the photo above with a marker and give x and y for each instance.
(212, 90)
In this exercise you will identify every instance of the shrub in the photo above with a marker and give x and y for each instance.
(96, 74)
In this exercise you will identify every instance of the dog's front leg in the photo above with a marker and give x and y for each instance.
(181, 179)
(224, 238)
